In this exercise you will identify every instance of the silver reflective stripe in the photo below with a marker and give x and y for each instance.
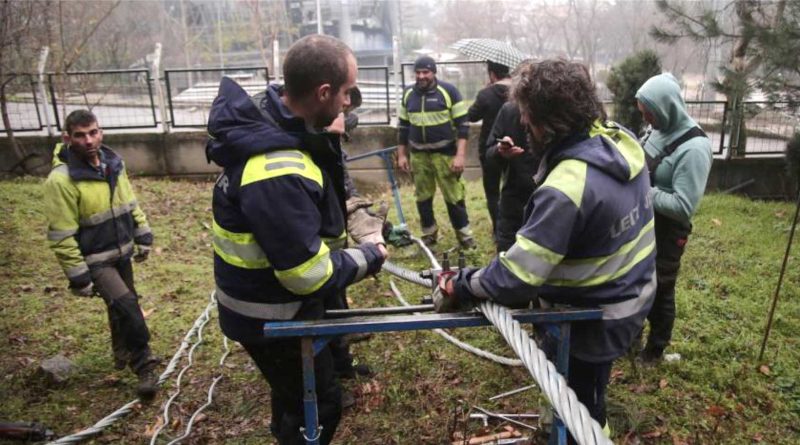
(284, 164)
(628, 308)
(101, 217)
(247, 252)
(58, 235)
(62, 168)
(108, 255)
(267, 311)
(311, 278)
(361, 260)
(75, 272)
(476, 287)
(430, 146)
(139, 231)
(530, 263)
(284, 154)
(582, 272)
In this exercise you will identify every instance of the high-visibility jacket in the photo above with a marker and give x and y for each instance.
(279, 215)
(433, 119)
(587, 241)
(93, 216)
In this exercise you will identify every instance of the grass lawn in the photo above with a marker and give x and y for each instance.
(423, 386)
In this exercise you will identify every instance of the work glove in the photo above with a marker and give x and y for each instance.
(444, 301)
(142, 253)
(363, 226)
(85, 291)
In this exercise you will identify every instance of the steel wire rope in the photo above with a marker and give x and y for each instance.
(126, 409)
(585, 429)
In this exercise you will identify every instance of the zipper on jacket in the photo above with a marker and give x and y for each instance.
(424, 138)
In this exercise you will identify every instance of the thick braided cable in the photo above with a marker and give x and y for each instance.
(580, 423)
(126, 409)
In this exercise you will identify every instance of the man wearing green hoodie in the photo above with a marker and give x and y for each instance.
(679, 159)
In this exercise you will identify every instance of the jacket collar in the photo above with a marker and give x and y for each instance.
(79, 169)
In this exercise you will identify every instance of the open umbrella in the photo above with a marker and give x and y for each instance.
(490, 49)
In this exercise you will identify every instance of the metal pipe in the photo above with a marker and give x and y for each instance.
(512, 392)
(506, 418)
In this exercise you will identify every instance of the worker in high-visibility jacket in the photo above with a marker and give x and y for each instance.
(280, 219)
(588, 237)
(94, 222)
(433, 122)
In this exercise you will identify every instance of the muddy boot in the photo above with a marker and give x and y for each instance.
(430, 235)
(465, 239)
(148, 383)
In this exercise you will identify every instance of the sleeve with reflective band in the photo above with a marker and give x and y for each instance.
(142, 235)
(279, 197)
(403, 122)
(458, 110)
(61, 210)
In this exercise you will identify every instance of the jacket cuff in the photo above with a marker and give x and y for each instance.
(143, 236)
(466, 285)
(80, 281)
(463, 131)
(373, 256)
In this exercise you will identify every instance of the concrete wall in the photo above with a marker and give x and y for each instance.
(183, 154)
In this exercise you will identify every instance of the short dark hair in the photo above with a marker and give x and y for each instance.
(79, 118)
(500, 71)
(559, 96)
(315, 60)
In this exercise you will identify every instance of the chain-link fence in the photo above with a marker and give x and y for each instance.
(373, 81)
(121, 98)
(770, 125)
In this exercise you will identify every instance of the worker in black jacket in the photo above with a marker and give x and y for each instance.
(485, 108)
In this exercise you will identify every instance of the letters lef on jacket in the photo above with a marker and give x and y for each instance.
(587, 241)
(93, 216)
(279, 214)
(432, 119)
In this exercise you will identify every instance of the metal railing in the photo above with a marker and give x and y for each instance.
(127, 99)
(191, 91)
(124, 98)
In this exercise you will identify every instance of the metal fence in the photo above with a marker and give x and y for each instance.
(124, 98)
(127, 99)
(23, 105)
(190, 92)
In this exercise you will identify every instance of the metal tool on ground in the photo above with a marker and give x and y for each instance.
(25, 431)
(512, 392)
(507, 418)
(395, 234)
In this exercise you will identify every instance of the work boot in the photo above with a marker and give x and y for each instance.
(465, 239)
(651, 355)
(148, 381)
(430, 235)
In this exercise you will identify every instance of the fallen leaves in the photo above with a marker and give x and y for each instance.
(716, 222)
(764, 369)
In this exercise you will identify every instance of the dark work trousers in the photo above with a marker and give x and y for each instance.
(491, 171)
(671, 238)
(129, 333)
(280, 363)
(589, 381)
(340, 348)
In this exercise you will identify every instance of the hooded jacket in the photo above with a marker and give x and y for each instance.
(93, 216)
(486, 107)
(279, 214)
(680, 179)
(587, 241)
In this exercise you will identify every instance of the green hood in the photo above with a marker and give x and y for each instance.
(661, 95)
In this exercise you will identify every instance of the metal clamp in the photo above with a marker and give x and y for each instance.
(311, 439)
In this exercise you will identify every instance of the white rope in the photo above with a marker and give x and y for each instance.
(580, 423)
(465, 346)
(126, 409)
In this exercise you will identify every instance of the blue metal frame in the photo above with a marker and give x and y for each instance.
(316, 334)
(386, 155)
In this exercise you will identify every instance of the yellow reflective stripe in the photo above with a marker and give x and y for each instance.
(529, 261)
(569, 177)
(633, 251)
(238, 249)
(405, 96)
(459, 109)
(403, 113)
(626, 145)
(277, 164)
(429, 118)
(447, 100)
(336, 243)
(310, 275)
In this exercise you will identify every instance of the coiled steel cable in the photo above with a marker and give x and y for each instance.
(126, 409)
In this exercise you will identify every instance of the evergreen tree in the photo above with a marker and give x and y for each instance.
(625, 79)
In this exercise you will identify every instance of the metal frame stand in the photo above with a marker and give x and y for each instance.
(314, 335)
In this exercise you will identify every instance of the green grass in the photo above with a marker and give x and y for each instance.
(423, 385)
